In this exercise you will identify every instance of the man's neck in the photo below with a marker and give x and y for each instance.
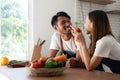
(66, 36)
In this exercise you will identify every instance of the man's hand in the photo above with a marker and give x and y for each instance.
(74, 62)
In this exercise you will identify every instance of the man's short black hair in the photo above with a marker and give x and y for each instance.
(54, 18)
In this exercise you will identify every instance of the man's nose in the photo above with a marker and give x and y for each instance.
(68, 24)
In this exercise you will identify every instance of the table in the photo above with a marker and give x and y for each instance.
(68, 74)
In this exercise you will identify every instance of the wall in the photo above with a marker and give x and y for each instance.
(40, 18)
(114, 19)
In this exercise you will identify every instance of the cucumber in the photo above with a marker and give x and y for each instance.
(14, 61)
(60, 52)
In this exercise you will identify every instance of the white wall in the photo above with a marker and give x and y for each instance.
(41, 13)
(115, 19)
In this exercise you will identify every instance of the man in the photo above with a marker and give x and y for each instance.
(62, 38)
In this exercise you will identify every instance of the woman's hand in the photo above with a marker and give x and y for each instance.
(78, 36)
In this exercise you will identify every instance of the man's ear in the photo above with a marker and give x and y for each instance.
(55, 27)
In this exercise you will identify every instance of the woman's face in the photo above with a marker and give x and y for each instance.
(88, 25)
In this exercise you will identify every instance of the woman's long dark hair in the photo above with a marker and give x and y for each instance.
(101, 27)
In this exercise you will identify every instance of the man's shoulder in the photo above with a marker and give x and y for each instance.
(56, 33)
(55, 36)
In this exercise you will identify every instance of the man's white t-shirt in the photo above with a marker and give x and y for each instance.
(67, 45)
(108, 47)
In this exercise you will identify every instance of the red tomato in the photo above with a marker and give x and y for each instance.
(43, 59)
(38, 64)
(34, 65)
(40, 61)
(78, 29)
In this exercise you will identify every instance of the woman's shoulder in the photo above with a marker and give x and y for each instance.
(108, 39)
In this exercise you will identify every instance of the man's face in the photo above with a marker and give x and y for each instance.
(63, 24)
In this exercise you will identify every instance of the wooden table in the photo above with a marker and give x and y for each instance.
(68, 74)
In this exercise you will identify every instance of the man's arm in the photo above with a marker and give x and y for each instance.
(52, 52)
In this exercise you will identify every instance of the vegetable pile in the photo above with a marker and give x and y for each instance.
(50, 62)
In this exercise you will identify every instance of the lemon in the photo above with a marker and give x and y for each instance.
(4, 60)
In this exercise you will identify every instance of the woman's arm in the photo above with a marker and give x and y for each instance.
(78, 55)
(90, 62)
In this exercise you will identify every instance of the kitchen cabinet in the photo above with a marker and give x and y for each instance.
(117, 12)
(102, 2)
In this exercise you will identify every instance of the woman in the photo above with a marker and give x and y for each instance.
(104, 49)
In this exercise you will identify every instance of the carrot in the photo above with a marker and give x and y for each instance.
(60, 58)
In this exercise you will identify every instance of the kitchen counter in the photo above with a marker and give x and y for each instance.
(68, 74)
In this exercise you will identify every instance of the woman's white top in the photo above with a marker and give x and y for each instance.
(68, 45)
(107, 47)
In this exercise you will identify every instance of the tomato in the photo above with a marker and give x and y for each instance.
(78, 29)
(40, 61)
(37, 64)
(34, 65)
(43, 59)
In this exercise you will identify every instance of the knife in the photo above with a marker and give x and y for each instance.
(42, 42)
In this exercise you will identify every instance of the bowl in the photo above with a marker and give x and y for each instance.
(46, 71)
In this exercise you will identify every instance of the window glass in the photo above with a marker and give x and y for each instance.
(14, 29)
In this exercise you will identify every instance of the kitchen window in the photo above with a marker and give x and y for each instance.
(14, 29)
